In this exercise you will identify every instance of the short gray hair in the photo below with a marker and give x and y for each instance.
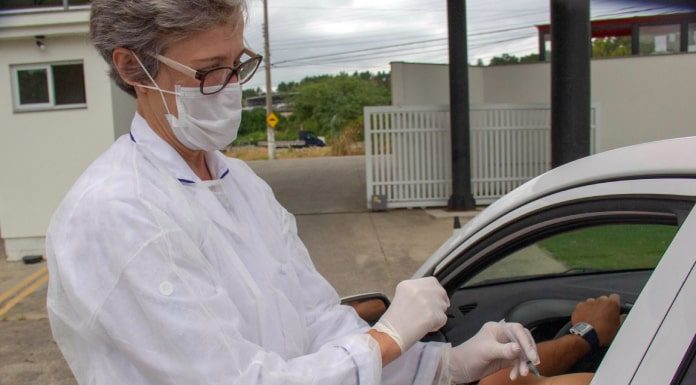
(149, 26)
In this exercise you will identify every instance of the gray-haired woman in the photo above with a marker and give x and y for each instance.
(172, 264)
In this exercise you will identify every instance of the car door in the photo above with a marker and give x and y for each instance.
(657, 343)
(498, 272)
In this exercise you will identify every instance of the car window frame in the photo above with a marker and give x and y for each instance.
(574, 214)
(654, 339)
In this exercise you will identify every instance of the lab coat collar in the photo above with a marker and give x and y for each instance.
(142, 134)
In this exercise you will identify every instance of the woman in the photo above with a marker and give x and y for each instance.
(172, 264)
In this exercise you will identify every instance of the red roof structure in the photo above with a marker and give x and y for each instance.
(684, 24)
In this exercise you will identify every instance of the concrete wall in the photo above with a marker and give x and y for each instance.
(42, 153)
(640, 99)
(428, 84)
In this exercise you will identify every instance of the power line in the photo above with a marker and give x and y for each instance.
(359, 50)
(474, 45)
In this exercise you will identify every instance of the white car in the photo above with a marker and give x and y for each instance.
(621, 221)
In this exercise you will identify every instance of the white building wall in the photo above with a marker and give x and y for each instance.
(640, 99)
(43, 153)
(123, 108)
(645, 99)
(428, 84)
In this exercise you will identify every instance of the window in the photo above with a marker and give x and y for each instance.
(691, 39)
(611, 46)
(39, 5)
(48, 86)
(583, 237)
(605, 247)
(659, 39)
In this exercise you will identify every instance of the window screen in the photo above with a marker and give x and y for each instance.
(33, 86)
(69, 84)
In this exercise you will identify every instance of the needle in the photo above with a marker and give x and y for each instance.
(523, 354)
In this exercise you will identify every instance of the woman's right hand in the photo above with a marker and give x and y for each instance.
(418, 308)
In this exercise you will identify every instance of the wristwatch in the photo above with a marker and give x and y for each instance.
(587, 332)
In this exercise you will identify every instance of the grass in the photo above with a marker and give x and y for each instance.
(611, 247)
(248, 153)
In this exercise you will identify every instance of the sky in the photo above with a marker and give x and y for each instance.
(313, 37)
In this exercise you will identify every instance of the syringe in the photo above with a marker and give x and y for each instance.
(523, 354)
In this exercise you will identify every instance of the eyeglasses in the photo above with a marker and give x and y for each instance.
(215, 79)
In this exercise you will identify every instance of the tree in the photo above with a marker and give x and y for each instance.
(252, 121)
(511, 59)
(504, 59)
(328, 104)
(287, 87)
(531, 58)
(611, 46)
(325, 104)
(251, 92)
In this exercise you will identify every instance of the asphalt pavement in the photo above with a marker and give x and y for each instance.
(356, 250)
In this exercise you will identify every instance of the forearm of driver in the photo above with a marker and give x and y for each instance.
(558, 355)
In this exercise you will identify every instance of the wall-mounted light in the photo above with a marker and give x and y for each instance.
(39, 39)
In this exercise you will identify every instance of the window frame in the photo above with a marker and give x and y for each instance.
(51, 105)
(64, 6)
(565, 225)
(680, 31)
(554, 220)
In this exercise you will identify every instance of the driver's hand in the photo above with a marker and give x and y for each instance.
(602, 313)
(491, 350)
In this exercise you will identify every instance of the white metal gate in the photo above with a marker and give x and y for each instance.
(408, 152)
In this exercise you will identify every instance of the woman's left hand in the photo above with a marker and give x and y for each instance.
(490, 350)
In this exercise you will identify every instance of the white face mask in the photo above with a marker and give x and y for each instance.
(205, 122)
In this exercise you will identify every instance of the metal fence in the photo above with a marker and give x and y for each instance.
(408, 152)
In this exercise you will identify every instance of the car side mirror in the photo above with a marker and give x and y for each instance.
(370, 307)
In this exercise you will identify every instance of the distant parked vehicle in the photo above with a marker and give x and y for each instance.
(311, 139)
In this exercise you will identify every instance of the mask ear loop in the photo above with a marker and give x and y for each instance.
(156, 88)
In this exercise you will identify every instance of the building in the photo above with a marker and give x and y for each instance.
(644, 35)
(58, 112)
(640, 99)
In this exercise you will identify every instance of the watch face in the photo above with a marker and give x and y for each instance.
(581, 328)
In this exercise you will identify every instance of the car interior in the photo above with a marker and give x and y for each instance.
(535, 270)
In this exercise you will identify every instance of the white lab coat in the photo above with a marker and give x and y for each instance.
(157, 277)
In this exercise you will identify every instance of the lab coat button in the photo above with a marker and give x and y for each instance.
(166, 288)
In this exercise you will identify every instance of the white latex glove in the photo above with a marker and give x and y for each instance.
(418, 308)
(491, 350)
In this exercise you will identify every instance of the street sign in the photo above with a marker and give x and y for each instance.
(272, 119)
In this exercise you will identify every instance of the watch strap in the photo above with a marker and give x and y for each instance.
(593, 339)
(590, 336)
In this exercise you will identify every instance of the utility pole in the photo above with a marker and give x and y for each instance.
(269, 88)
(570, 80)
(461, 198)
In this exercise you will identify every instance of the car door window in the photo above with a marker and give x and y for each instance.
(605, 247)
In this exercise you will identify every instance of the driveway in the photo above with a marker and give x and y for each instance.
(356, 250)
